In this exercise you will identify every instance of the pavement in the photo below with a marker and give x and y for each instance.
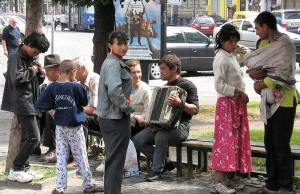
(169, 183)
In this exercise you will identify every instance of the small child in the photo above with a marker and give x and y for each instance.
(67, 98)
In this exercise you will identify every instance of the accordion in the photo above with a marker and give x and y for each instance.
(160, 114)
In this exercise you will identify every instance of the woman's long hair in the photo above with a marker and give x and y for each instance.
(226, 33)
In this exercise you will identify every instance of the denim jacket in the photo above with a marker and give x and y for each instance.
(114, 87)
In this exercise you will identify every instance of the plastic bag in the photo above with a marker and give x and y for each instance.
(131, 167)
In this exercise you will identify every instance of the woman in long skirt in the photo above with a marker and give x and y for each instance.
(231, 150)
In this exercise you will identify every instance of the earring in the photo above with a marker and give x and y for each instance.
(110, 51)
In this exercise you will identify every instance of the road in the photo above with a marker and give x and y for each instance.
(74, 44)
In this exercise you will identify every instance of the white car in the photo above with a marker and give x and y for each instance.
(246, 28)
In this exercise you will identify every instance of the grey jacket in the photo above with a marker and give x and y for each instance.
(114, 87)
(21, 88)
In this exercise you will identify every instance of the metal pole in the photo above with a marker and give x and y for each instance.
(47, 16)
(194, 11)
(171, 22)
(52, 30)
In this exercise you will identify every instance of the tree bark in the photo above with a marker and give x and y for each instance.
(14, 143)
(34, 16)
(104, 24)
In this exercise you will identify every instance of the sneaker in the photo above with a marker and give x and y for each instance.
(35, 176)
(154, 176)
(19, 176)
(101, 168)
(221, 189)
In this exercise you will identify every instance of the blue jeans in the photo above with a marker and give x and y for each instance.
(30, 138)
(144, 141)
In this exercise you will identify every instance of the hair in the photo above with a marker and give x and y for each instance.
(131, 63)
(67, 66)
(119, 35)
(267, 18)
(81, 62)
(171, 61)
(13, 18)
(226, 33)
(38, 41)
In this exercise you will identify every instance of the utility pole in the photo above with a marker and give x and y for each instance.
(16, 6)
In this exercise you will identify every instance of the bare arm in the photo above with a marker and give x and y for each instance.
(89, 110)
(4, 48)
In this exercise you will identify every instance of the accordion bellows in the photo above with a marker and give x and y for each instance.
(160, 114)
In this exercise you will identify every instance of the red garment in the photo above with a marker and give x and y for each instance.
(232, 149)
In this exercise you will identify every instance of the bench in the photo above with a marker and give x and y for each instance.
(204, 145)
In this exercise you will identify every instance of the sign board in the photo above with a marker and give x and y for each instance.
(174, 2)
(141, 21)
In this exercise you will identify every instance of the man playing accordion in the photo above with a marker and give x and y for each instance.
(144, 141)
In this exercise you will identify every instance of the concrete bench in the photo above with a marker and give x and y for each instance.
(204, 145)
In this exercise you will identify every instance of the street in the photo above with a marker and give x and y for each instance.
(79, 44)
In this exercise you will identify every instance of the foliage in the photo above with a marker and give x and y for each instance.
(80, 3)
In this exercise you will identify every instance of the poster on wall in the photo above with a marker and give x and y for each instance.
(141, 21)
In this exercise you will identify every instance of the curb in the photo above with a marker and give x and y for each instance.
(6, 184)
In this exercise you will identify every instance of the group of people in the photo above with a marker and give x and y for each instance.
(117, 101)
(272, 67)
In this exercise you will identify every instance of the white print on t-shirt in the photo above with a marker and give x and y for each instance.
(65, 97)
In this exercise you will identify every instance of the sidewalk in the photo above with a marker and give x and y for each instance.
(135, 185)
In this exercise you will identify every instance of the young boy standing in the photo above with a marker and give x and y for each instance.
(68, 98)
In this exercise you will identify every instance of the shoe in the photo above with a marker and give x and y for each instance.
(221, 189)
(154, 176)
(37, 152)
(94, 189)
(101, 167)
(169, 166)
(19, 176)
(35, 175)
(51, 158)
(49, 152)
(56, 192)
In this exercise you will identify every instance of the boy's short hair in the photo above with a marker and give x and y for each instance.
(131, 63)
(171, 61)
(38, 41)
(67, 66)
(267, 18)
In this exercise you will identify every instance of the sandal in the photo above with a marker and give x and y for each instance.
(94, 189)
(263, 190)
(56, 192)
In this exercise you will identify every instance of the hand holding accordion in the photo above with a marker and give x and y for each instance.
(166, 107)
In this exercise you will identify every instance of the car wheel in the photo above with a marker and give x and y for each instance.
(154, 71)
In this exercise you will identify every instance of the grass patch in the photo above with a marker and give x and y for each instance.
(48, 172)
(253, 110)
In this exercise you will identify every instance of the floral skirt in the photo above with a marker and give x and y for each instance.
(232, 149)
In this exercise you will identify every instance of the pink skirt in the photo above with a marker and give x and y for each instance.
(231, 150)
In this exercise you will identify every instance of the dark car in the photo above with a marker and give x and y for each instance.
(204, 24)
(218, 19)
(194, 49)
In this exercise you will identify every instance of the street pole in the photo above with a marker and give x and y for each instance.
(194, 11)
(52, 30)
(47, 16)
(171, 22)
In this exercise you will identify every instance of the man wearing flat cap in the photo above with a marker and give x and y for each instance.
(51, 66)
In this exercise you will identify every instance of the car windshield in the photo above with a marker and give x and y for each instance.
(204, 20)
(292, 15)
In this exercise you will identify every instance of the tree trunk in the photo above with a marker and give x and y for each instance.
(14, 143)
(104, 24)
(34, 16)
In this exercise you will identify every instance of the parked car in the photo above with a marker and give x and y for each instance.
(204, 24)
(48, 19)
(251, 15)
(218, 19)
(249, 38)
(4, 21)
(194, 49)
(290, 19)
